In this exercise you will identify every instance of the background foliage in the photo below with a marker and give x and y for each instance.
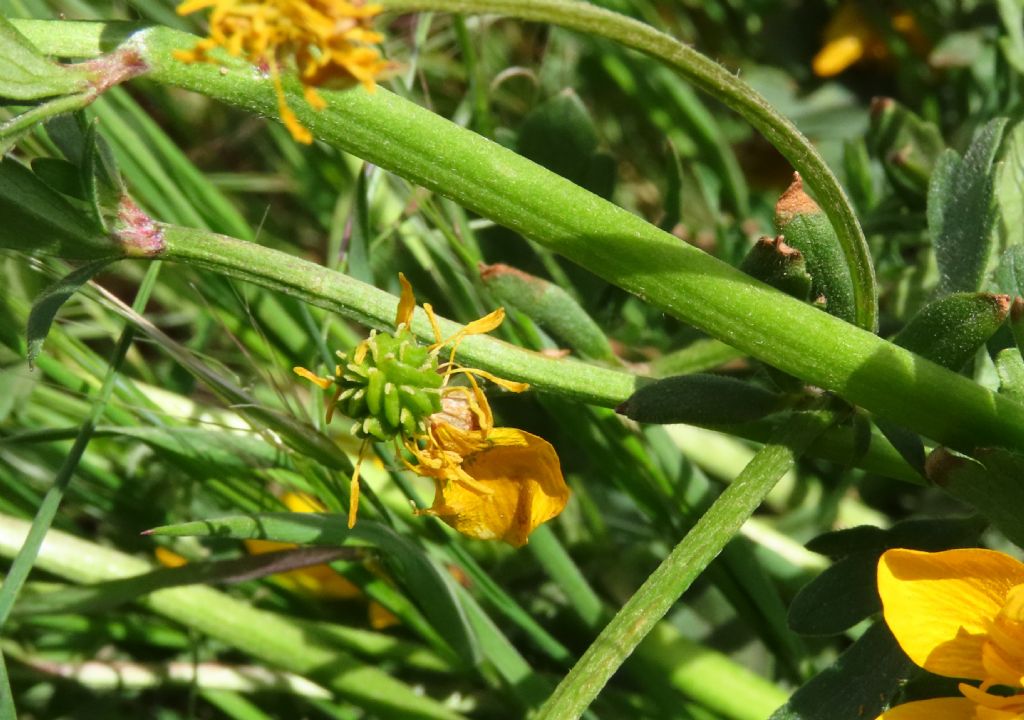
(203, 411)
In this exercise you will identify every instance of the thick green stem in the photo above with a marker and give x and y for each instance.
(690, 557)
(722, 85)
(620, 247)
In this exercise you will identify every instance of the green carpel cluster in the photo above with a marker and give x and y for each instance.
(389, 385)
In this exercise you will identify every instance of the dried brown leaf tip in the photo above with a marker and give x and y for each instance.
(794, 202)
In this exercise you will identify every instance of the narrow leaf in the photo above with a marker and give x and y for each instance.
(950, 330)
(106, 595)
(46, 305)
(961, 214)
(700, 399)
(426, 583)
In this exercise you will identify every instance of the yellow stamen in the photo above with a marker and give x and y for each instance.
(322, 383)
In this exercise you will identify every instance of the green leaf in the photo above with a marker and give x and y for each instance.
(961, 214)
(60, 175)
(427, 584)
(560, 135)
(844, 594)
(549, 306)
(839, 598)
(700, 399)
(950, 330)
(46, 305)
(774, 262)
(990, 482)
(1010, 369)
(38, 219)
(28, 74)
(1009, 197)
(906, 145)
(807, 228)
(103, 596)
(1012, 14)
(860, 684)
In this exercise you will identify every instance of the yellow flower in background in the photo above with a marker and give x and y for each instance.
(958, 613)
(851, 37)
(330, 42)
(490, 483)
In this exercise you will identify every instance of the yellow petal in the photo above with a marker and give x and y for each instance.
(516, 485)
(935, 709)
(837, 55)
(406, 304)
(169, 558)
(380, 617)
(940, 605)
(315, 581)
(302, 503)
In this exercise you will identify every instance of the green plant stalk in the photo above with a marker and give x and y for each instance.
(723, 86)
(350, 298)
(618, 246)
(274, 639)
(22, 565)
(7, 709)
(663, 587)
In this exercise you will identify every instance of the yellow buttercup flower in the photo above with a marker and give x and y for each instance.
(490, 483)
(330, 42)
(958, 613)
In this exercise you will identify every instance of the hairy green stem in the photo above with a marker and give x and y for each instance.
(689, 559)
(722, 85)
(611, 242)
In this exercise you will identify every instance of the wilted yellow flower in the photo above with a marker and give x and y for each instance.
(958, 613)
(490, 483)
(330, 42)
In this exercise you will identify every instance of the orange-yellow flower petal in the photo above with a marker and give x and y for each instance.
(940, 606)
(936, 709)
(314, 581)
(515, 485)
(406, 304)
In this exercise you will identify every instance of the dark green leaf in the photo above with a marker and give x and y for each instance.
(60, 175)
(860, 684)
(907, 443)
(700, 399)
(774, 262)
(549, 306)
(839, 598)
(38, 219)
(950, 330)
(991, 483)
(46, 305)
(560, 135)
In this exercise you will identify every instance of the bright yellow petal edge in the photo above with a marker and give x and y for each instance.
(940, 606)
(935, 709)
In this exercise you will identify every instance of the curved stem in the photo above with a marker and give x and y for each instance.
(722, 85)
(618, 246)
(690, 557)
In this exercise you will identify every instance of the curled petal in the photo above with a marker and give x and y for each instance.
(940, 606)
(510, 488)
(935, 709)
(406, 304)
